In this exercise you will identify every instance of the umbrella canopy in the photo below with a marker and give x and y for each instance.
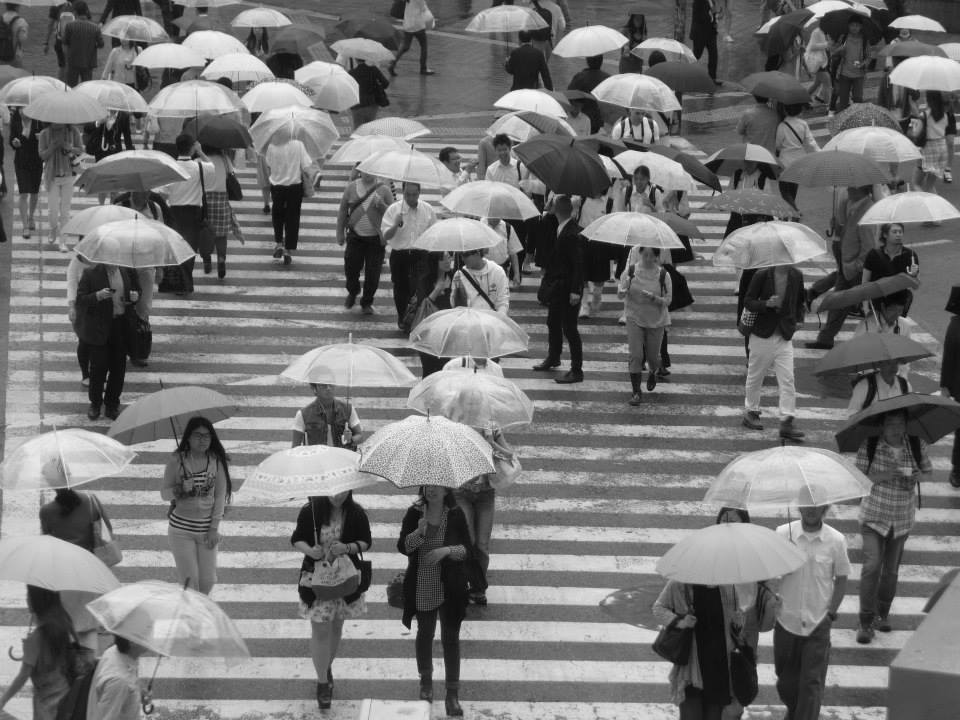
(479, 400)
(137, 243)
(787, 476)
(781, 34)
(671, 49)
(536, 101)
(768, 244)
(952, 50)
(350, 365)
(864, 115)
(538, 121)
(54, 564)
(131, 170)
(458, 235)
(396, 127)
(696, 169)
(834, 23)
(564, 166)
(271, 94)
(631, 229)
(297, 40)
(513, 127)
(678, 224)
(219, 131)
(65, 108)
(169, 55)
(468, 331)
(867, 351)
(370, 27)
(777, 85)
(873, 290)
(409, 166)
(836, 168)
(506, 19)
(732, 158)
(135, 28)
(238, 68)
(170, 620)
(927, 73)
(155, 415)
(642, 92)
(426, 450)
(929, 417)
(8, 74)
(63, 459)
(490, 199)
(590, 41)
(917, 22)
(730, 553)
(357, 149)
(683, 77)
(261, 17)
(90, 218)
(306, 471)
(333, 87)
(751, 201)
(195, 97)
(363, 49)
(911, 48)
(114, 95)
(880, 144)
(664, 172)
(313, 128)
(212, 44)
(910, 207)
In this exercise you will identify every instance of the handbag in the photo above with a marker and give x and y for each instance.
(395, 595)
(380, 93)
(234, 191)
(743, 671)
(680, 296)
(916, 129)
(674, 643)
(105, 545)
(332, 579)
(139, 336)
(416, 312)
(746, 322)
(507, 469)
(397, 9)
(309, 178)
(204, 234)
(365, 567)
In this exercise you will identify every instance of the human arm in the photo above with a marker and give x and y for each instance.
(107, 10)
(125, 132)
(298, 435)
(809, 142)
(342, 213)
(666, 607)
(304, 534)
(392, 221)
(87, 295)
(170, 488)
(46, 146)
(577, 280)
(412, 531)
(108, 66)
(626, 277)
(360, 539)
(116, 698)
(545, 73)
(501, 298)
(751, 300)
(456, 537)
(508, 65)
(839, 590)
(219, 505)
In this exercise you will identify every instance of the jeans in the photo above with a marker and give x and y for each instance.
(878, 578)
(421, 36)
(406, 266)
(478, 506)
(801, 666)
(694, 707)
(562, 322)
(287, 200)
(108, 366)
(644, 342)
(196, 563)
(363, 253)
(59, 195)
(777, 352)
(708, 43)
(449, 638)
(847, 86)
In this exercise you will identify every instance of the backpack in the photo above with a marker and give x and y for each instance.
(544, 34)
(912, 440)
(8, 40)
(872, 389)
(73, 705)
(65, 17)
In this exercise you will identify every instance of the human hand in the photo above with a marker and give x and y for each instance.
(212, 538)
(515, 283)
(338, 549)
(422, 525)
(104, 294)
(316, 553)
(944, 392)
(16, 142)
(72, 314)
(773, 301)
(436, 555)
(687, 621)
(574, 298)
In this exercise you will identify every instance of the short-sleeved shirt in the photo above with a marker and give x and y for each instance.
(510, 174)
(76, 527)
(882, 265)
(891, 505)
(415, 222)
(353, 423)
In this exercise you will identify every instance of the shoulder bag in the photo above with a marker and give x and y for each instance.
(105, 545)
(675, 643)
(395, 596)
(476, 286)
(416, 312)
(234, 191)
(743, 671)
(352, 208)
(204, 235)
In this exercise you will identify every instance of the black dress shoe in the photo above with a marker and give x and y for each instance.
(93, 412)
(139, 362)
(112, 411)
(547, 364)
(350, 301)
(221, 269)
(324, 695)
(570, 377)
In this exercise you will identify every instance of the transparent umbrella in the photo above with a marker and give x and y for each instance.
(333, 87)
(469, 331)
(409, 166)
(357, 149)
(475, 399)
(114, 95)
(23, 91)
(54, 564)
(169, 55)
(504, 19)
(65, 108)
(630, 90)
(92, 217)
(768, 244)
(631, 229)
(135, 28)
(271, 94)
(313, 128)
(350, 365)
(397, 127)
(457, 235)
(238, 67)
(910, 207)
(136, 243)
(213, 43)
(261, 17)
(490, 199)
(194, 97)
(590, 41)
(536, 101)
(131, 170)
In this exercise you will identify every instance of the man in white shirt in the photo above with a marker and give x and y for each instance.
(507, 169)
(452, 160)
(640, 195)
(115, 688)
(403, 222)
(811, 597)
(286, 163)
(638, 125)
(884, 383)
(185, 198)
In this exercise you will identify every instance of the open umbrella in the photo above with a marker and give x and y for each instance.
(786, 28)
(778, 86)
(114, 95)
(8, 73)
(538, 121)
(135, 28)
(768, 244)
(363, 49)
(910, 207)
(260, 17)
(951, 49)
(728, 160)
(313, 128)
(564, 166)
(297, 40)
(333, 87)
(911, 48)
(169, 55)
(191, 98)
(458, 235)
(873, 290)
(751, 201)
(270, 94)
(920, 23)
(868, 350)
(90, 218)
(213, 43)
(426, 450)
(683, 77)
(219, 131)
(468, 331)
(350, 365)
(409, 166)
(155, 415)
(927, 73)
(479, 400)
(630, 229)
(490, 199)
(929, 417)
(371, 27)
(642, 92)
(65, 108)
(730, 553)
(306, 471)
(590, 41)
(63, 459)
(834, 168)
(537, 101)
(54, 564)
(679, 225)
(671, 49)
(514, 128)
(131, 170)
(506, 19)
(696, 169)
(137, 243)
(357, 149)
(396, 127)
(864, 115)
(664, 172)
(238, 68)
(880, 144)
(834, 23)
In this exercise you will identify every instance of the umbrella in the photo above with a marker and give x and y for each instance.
(632, 606)
(219, 131)
(911, 48)
(951, 49)
(768, 244)
(864, 115)
(114, 95)
(781, 33)
(371, 27)
(787, 475)
(135, 28)
(396, 127)
(353, 151)
(213, 43)
(910, 207)
(409, 166)
(137, 243)
(154, 415)
(642, 92)
(696, 169)
(297, 40)
(313, 128)
(929, 417)
(664, 172)
(479, 400)
(590, 41)
(350, 365)
(751, 201)
(458, 235)
(630, 229)
(195, 97)
(683, 77)
(873, 290)
(131, 170)
(732, 158)
(868, 350)
(54, 564)
(536, 101)
(238, 68)
(917, 22)
(823, 169)
(880, 144)
(602, 144)
(85, 221)
(564, 166)
(8, 73)
(65, 108)
(426, 450)
(730, 553)
(538, 121)
(169, 55)
(469, 331)
(63, 459)
(834, 23)
(672, 50)
(260, 17)
(490, 199)
(333, 87)
(514, 128)
(927, 73)
(306, 471)
(506, 19)
(363, 49)
(274, 94)
(679, 225)
(777, 85)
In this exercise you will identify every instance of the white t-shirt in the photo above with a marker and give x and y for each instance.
(353, 422)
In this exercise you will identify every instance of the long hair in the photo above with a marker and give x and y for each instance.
(322, 508)
(53, 623)
(935, 101)
(742, 514)
(448, 498)
(216, 447)
(68, 500)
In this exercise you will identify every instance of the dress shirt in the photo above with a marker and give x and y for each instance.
(510, 174)
(415, 222)
(115, 690)
(188, 192)
(885, 390)
(807, 591)
(286, 162)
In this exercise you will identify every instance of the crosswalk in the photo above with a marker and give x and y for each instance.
(607, 488)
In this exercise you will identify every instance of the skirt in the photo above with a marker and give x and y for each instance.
(219, 212)
(29, 174)
(934, 156)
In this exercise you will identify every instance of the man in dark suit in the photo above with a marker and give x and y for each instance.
(561, 290)
(81, 40)
(103, 295)
(528, 65)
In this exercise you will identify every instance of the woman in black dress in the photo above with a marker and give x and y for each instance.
(27, 166)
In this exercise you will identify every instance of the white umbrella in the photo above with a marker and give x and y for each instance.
(513, 123)
(261, 17)
(169, 55)
(630, 229)
(480, 400)
(506, 19)
(25, 90)
(880, 144)
(459, 235)
(54, 564)
(114, 95)
(768, 244)
(490, 199)
(361, 148)
(394, 127)
(306, 471)
(333, 87)
(137, 243)
(195, 97)
(213, 43)
(952, 50)
(363, 49)
(274, 94)
(80, 223)
(927, 73)
(819, 9)
(205, 3)
(469, 331)
(238, 67)
(589, 41)
(131, 170)
(910, 207)
(919, 23)
(667, 173)
(672, 50)
(409, 166)
(534, 100)
(313, 128)
(135, 28)
(66, 108)
(350, 365)
(643, 92)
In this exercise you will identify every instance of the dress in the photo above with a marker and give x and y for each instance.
(26, 159)
(49, 682)
(327, 610)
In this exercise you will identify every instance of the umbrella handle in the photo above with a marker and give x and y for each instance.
(12, 656)
(146, 703)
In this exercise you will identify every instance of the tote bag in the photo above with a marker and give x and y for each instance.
(105, 545)
(334, 579)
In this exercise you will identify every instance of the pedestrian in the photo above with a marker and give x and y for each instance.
(480, 284)
(817, 62)
(108, 137)
(810, 598)
(776, 296)
(286, 162)
(793, 141)
(889, 259)
(27, 166)
(528, 65)
(896, 463)
(15, 30)
(585, 81)
(119, 65)
(703, 33)
(60, 15)
(417, 19)
(372, 86)
(220, 216)
(120, 7)
(115, 686)
(486, 153)
(403, 222)
(646, 288)
(186, 199)
(886, 315)
(933, 118)
(506, 253)
(463, 172)
(853, 54)
(543, 39)
(758, 124)
(638, 194)
(561, 290)
(59, 147)
(637, 125)
(196, 483)
(81, 40)
(359, 217)
(327, 420)
(636, 32)
(950, 374)
(883, 383)
(257, 42)
(74, 270)
(436, 540)
(328, 528)
(432, 280)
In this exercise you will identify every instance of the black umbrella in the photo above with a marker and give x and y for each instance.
(219, 131)
(929, 417)
(783, 32)
(778, 86)
(603, 144)
(296, 40)
(564, 166)
(836, 22)
(683, 77)
(372, 28)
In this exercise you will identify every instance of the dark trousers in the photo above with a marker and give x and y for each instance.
(405, 267)
(83, 358)
(76, 75)
(449, 638)
(421, 36)
(363, 253)
(801, 666)
(881, 568)
(694, 707)
(788, 191)
(835, 318)
(429, 364)
(108, 365)
(287, 200)
(562, 323)
(186, 221)
(708, 43)
(955, 457)
(847, 87)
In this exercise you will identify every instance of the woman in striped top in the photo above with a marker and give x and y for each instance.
(197, 484)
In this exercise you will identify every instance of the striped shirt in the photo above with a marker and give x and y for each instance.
(198, 506)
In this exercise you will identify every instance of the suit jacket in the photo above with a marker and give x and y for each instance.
(563, 271)
(95, 317)
(787, 316)
(81, 39)
(527, 63)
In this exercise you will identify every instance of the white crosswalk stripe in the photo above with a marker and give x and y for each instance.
(607, 488)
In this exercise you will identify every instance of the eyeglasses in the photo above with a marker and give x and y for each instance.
(200, 436)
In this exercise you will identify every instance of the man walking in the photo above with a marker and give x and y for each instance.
(185, 199)
(14, 37)
(403, 222)
(364, 202)
(81, 40)
(758, 125)
(528, 66)
(286, 163)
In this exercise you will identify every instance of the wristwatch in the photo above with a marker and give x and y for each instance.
(832, 615)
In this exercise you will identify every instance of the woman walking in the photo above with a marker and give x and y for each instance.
(197, 484)
(647, 290)
(119, 66)
(934, 162)
(435, 538)
(328, 528)
(793, 141)
(219, 211)
(27, 166)
(60, 147)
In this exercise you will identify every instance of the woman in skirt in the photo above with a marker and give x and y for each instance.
(219, 211)
(934, 150)
(27, 166)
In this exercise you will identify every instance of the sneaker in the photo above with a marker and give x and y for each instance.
(287, 259)
(93, 412)
(865, 634)
(955, 479)
(350, 301)
(428, 71)
(947, 175)
(63, 247)
(881, 623)
(278, 251)
(751, 420)
(622, 320)
(367, 310)
(636, 399)
(728, 39)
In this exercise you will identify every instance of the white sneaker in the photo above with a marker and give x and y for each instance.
(728, 38)
(63, 247)
(584, 311)
(622, 320)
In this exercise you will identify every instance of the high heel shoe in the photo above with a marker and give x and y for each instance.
(324, 695)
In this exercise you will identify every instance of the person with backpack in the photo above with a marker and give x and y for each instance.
(896, 463)
(60, 16)
(361, 210)
(793, 141)
(646, 289)
(544, 38)
(637, 125)
(327, 420)
(115, 683)
(13, 35)
(881, 384)
(480, 284)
